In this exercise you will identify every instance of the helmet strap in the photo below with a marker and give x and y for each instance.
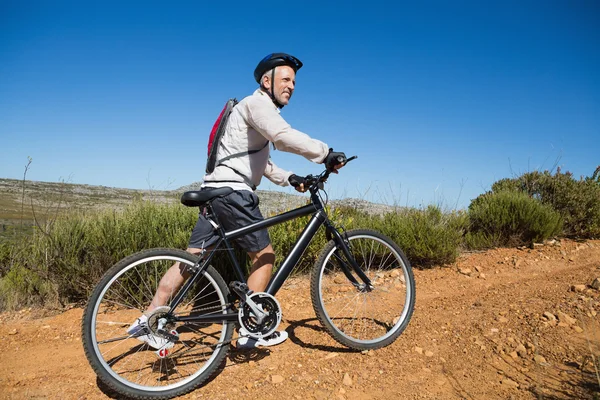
(272, 90)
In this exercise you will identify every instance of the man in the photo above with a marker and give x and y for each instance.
(242, 160)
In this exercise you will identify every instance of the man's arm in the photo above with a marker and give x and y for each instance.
(277, 175)
(266, 120)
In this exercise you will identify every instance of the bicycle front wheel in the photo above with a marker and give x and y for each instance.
(160, 368)
(354, 316)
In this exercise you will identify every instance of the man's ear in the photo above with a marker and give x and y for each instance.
(266, 82)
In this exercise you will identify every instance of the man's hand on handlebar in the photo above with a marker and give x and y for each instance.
(334, 161)
(298, 182)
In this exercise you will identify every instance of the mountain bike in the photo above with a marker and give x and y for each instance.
(362, 289)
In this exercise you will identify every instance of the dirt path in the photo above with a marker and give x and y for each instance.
(478, 332)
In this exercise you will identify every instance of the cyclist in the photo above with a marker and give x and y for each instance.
(253, 124)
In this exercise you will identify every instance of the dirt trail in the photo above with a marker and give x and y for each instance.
(504, 324)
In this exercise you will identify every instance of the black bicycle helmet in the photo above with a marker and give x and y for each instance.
(275, 60)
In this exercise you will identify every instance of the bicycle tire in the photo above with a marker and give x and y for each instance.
(380, 315)
(133, 369)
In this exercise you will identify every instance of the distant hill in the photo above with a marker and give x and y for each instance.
(44, 199)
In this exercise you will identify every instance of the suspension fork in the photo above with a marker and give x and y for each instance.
(345, 250)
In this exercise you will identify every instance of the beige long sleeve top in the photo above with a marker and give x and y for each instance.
(254, 122)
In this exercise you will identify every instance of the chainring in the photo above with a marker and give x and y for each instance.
(269, 305)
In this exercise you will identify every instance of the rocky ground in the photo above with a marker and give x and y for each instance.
(502, 324)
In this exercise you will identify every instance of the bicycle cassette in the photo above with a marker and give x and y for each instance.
(267, 304)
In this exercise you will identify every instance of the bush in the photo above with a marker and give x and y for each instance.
(510, 218)
(75, 250)
(577, 201)
(428, 236)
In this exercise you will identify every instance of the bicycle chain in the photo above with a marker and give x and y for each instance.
(226, 305)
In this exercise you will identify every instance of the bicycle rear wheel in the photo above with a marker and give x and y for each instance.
(132, 367)
(359, 318)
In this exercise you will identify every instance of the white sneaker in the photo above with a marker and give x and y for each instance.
(140, 326)
(246, 342)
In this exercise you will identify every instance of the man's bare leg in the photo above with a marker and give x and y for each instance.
(262, 267)
(170, 283)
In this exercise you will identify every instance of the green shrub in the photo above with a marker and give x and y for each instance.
(577, 201)
(428, 236)
(510, 218)
(22, 287)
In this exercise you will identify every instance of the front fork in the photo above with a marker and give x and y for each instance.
(343, 248)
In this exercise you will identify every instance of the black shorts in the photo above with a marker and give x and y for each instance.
(237, 209)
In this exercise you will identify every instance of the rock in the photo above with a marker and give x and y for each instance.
(530, 346)
(509, 383)
(347, 380)
(418, 350)
(549, 316)
(562, 317)
(578, 288)
(517, 263)
(465, 271)
(503, 320)
(13, 332)
(276, 379)
(521, 351)
(577, 329)
(395, 273)
(428, 353)
(596, 284)
(478, 269)
(540, 359)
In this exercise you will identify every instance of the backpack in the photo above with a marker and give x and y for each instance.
(214, 141)
(216, 134)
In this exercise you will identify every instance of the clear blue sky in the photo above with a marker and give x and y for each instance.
(439, 100)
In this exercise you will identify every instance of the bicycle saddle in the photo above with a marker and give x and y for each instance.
(198, 198)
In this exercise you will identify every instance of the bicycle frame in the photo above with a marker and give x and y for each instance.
(319, 217)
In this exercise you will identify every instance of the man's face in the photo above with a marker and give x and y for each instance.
(285, 82)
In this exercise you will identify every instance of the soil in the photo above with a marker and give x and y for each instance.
(502, 324)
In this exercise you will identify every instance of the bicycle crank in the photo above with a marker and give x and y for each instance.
(271, 315)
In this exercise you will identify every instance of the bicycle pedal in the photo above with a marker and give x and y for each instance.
(171, 336)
